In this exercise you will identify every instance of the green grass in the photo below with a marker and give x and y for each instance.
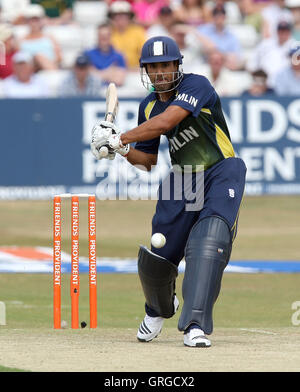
(268, 229)
(246, 300)
(268, 226)
(10, 370)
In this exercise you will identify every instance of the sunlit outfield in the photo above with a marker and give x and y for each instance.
(252, 300)
(268, 230)
(268, 227)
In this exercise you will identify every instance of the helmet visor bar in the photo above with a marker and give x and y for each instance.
(161, 82)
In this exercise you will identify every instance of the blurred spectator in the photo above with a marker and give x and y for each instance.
(189, 47)
(225, 41)
(273, 14)
(233, 14)
(259, 86)
(261, 4)
(127, 37)
(57, 11)
(192, 12)
(109, 2)
(23, 83)
(163, 26)
(287, 81)
(42, 47)
(224, 80)
(294, 7)
(2, 14)
(109, 63)
(192, 45)
(271, 54)
(250, 14)
(11, 10)
(8, 47)
(81, 81)
(147, 11)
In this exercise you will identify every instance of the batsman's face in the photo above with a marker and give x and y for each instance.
(162, 75)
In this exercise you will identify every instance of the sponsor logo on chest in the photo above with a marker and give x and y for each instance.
(187, 98)
(182, 138)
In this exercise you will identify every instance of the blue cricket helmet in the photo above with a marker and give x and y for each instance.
(160, 49)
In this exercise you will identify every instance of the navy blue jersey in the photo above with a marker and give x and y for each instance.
(223, 192)
(202, 138)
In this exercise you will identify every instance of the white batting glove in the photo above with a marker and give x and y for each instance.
(100, 135)
(116, 144)
(96, 152)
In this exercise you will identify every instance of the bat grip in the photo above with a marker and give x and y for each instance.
(110, 117)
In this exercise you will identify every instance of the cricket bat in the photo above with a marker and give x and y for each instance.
(112, 105)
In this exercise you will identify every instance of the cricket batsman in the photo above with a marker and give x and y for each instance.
(187, 110)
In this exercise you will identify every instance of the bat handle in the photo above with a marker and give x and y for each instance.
(110, 117)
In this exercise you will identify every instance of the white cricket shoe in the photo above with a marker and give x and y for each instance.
(196, 338)
(151, 327)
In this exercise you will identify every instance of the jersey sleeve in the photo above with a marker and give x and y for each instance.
(194, 93)
(148, 146)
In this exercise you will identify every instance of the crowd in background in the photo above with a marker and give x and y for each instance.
(66, 48)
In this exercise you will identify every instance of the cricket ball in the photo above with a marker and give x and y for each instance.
(158, 240)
